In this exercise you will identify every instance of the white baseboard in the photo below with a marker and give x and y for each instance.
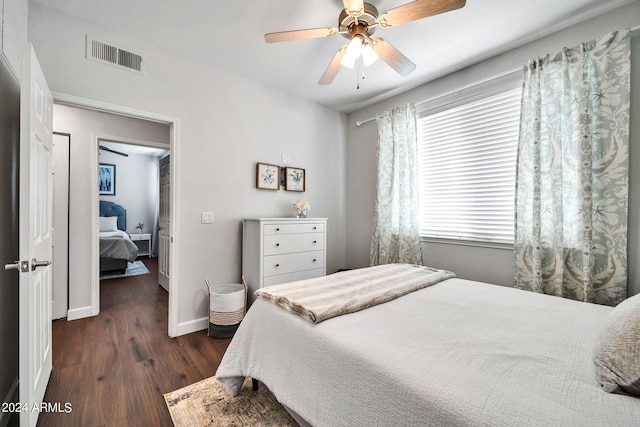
(193, 326)
(5, 416)
(183, 328)
(80, 313)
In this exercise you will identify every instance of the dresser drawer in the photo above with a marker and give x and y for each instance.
(287, 243)
(289, 263)
(292, 277)
(306, 227)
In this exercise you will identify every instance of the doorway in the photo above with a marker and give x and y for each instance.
(86, 259)
(131, 183)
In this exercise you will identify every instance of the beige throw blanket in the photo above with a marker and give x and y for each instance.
(347, 292)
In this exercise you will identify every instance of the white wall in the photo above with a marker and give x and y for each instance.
(227, 123)
(136, 185)
(82, 124)
(485, 264)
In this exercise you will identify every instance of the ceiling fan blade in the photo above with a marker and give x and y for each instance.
(284, 36)
(333, 68)
(102, 147)
(393, 57)
(417, 10)
(353, 7)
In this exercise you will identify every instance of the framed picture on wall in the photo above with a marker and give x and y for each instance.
(294, 179)
(107, 179)
(267, 176)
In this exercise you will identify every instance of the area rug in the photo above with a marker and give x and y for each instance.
(135, 268)
(207, 403)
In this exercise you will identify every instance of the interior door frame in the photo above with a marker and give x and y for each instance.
(174, 123)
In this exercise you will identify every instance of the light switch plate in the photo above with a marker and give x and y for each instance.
(286, 159)
(207, 217)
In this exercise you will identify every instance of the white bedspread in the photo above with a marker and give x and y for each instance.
(458, 353)
(117, 245)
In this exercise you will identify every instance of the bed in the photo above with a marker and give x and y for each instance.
(116, 248)
(456, 353)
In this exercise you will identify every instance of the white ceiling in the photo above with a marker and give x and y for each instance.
(229, 35)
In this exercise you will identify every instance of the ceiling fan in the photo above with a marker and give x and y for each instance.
(357, 22)
(102, 147)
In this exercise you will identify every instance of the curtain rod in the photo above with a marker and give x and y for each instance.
(451, 92)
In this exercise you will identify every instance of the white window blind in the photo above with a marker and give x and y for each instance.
(467, 160)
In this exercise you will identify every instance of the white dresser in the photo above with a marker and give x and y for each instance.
(279, 250)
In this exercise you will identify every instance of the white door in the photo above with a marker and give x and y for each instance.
(36, 188)
(164, 231)
(60, 285)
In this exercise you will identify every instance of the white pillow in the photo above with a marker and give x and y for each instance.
(108, 223)
(617, 352)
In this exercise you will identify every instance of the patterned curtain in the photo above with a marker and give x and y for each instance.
(396, 233)
(573, 167)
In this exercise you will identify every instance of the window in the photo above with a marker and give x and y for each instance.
(467, 160)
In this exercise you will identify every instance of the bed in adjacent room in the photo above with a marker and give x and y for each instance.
(452, 353)
(116, 248)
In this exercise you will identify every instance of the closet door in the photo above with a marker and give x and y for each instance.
(60, 287)
(164, 230)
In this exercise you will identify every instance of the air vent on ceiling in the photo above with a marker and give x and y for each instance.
(108, 53)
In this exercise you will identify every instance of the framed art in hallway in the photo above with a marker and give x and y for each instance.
(107, 179)
(295, 179)
(267, 176)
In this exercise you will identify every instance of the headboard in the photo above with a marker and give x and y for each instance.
(112, 209)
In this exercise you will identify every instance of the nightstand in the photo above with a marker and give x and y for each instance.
(143, 242)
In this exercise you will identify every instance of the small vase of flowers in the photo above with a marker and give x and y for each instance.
(140, 227)
(301, 209)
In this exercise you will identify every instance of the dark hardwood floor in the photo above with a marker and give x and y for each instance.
(114, 368)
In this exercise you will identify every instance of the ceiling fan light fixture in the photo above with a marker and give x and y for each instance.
(354, 50)
(369, 56)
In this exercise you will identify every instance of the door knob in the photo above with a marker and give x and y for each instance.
(13, 266)
(17, 265)
(35, 263)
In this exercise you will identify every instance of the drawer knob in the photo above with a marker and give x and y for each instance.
(315, 241)
(315, 228)
(314, 260)
(277, 244)
(277, 265)
(278, 229)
